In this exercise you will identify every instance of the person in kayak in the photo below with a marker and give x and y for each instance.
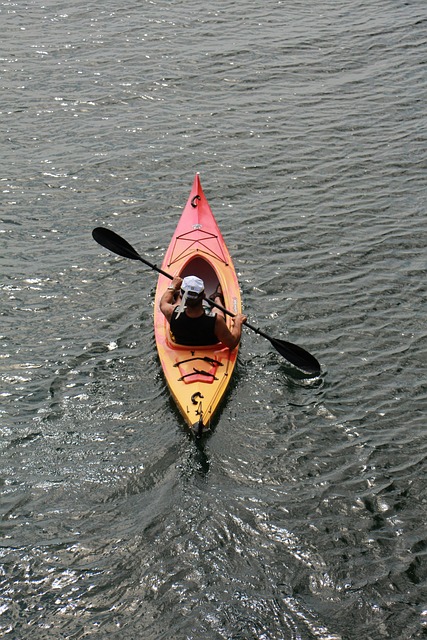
(190, 325)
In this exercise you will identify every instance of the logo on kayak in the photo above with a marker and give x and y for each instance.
(197, 226)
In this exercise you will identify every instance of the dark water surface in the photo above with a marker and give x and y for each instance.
(303, 516)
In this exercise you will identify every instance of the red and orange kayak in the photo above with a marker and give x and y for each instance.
(197, 377)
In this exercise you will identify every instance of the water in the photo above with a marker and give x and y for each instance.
(303, 515)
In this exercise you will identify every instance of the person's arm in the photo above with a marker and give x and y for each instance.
(230, 338)
(167, 301)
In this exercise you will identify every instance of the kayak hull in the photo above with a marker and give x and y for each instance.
(197, 376)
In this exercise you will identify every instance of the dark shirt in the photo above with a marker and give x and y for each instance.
(193, 332)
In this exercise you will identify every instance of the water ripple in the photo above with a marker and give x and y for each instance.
(303, 515)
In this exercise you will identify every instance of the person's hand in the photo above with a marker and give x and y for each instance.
(239, 319)
(176, 283)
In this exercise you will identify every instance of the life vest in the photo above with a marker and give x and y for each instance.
(193, 332)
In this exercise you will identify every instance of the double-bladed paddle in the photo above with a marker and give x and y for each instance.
(294, 354)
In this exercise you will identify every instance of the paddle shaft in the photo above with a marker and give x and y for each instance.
(155, 268)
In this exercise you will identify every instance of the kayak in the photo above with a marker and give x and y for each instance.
(197, 377)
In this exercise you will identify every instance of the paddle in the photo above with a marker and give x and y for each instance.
(294, 354)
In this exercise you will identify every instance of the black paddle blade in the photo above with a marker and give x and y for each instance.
(115, 243)
(294, 354)
(297, 356)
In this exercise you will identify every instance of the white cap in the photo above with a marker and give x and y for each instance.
(193, 286)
